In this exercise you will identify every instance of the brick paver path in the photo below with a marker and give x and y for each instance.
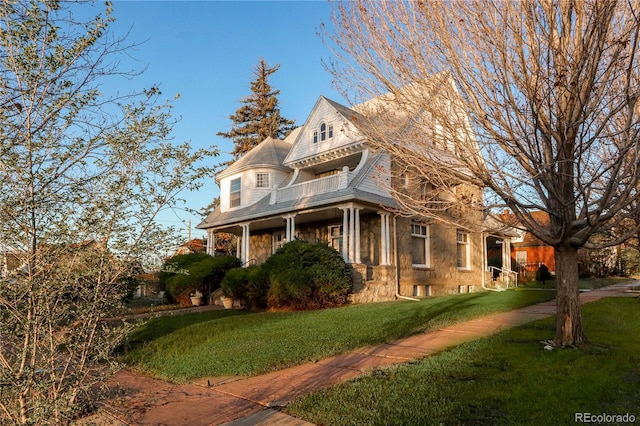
(248, 401)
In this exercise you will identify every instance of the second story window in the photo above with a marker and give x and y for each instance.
(323, 132)
(234, 196)
(262, 180)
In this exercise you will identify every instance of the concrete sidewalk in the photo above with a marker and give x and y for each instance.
(251, 401)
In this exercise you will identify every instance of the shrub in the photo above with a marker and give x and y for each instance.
(630, 261)
(235, 283)
(543, 274)
(303, 275)
(248, 285)
(186, 274)
(258, 288)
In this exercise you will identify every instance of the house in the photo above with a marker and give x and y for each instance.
(195, 245)
(327, 183)
(11, 260)
(527, 251)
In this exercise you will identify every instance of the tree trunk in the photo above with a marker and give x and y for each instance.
(569, 329)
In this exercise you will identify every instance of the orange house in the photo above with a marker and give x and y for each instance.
(527, 251)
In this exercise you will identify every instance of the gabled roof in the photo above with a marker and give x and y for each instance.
(347, 113)
(540, 217)
(304, 152)
(269, 153)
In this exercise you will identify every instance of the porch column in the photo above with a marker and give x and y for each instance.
(290, 227)
(385, 254)
(345, 234)
(352, 231)
(211, 243)
(356, 258)
(506, 253)
(388, 239)
(245, 250)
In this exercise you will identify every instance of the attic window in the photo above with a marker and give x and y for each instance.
(315, 136)
(330, 131)
(323, 132)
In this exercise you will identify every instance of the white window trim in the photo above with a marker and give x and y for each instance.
(467, 250)
(427, 244)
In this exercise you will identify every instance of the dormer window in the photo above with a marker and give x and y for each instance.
(234, 195)
(323, 132)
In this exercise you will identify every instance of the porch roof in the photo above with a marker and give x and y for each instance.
(262, 210)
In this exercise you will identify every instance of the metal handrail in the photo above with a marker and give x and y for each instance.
(502, 273)
(248, 262)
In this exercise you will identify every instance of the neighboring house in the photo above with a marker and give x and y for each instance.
(11, 260)
(527, 251)
(498, 237)
(325, 183)
(196, 245)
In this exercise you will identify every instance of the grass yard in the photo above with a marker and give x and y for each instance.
(218, 343)
(505, 379)
(585, 283)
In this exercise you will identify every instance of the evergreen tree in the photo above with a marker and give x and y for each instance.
(259, 116)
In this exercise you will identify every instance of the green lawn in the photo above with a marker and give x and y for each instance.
(218, 343)
(585, 283)
(508, 378)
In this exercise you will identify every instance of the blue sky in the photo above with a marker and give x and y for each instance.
(206, 50)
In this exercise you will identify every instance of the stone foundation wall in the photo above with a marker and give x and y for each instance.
(373, 282)
(261, 247)
(443, 277)
(381, 289)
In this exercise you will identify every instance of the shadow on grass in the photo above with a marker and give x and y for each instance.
(507, 378)
(434, 313)
(155, 328)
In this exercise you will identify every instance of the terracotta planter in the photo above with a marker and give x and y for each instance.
(196, 301)
(227, 302)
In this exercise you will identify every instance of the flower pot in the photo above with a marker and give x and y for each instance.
(196, 301)
(227, 302)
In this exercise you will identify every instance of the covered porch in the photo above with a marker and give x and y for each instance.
(361, 233)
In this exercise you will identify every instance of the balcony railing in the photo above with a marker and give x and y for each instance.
(312, 187)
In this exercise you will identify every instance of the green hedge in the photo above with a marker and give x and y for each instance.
(303, 275)
(185, 274)
(249, 285)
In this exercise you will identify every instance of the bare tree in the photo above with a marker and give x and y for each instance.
(82, 178)
(550, 90)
